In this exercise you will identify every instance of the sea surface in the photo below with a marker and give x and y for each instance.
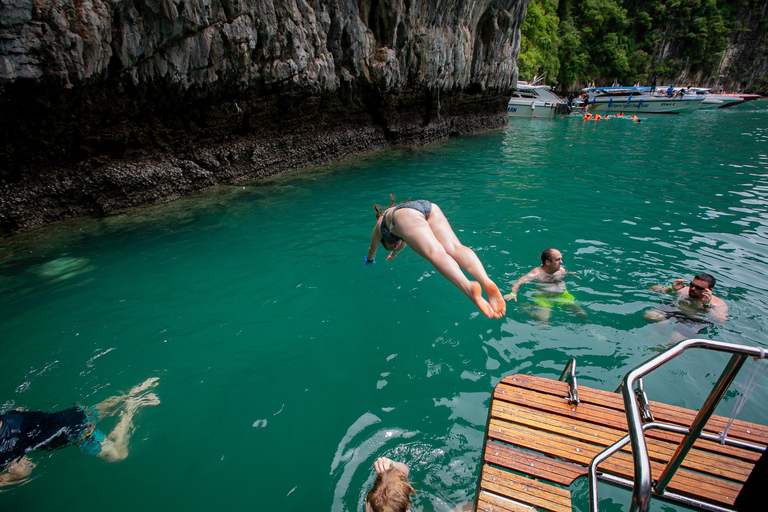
(286, 366)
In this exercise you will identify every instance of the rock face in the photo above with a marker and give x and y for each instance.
(744, 66)
(107, 104)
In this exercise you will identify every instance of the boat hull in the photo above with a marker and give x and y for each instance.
(530, 109)
(644, 105)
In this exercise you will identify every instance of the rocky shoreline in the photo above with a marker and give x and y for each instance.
(129, 177)
(108, 105)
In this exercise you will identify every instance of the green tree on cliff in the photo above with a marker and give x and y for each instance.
(576, 41)
(539, 41)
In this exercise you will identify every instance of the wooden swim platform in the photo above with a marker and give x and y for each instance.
(537, 444)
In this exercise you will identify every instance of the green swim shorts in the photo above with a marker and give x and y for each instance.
(550, 301)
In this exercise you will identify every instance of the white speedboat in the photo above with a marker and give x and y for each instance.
(713, 101)
(638, 100)
(530, 100)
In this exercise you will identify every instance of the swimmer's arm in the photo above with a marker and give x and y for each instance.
(568, 272)
(375, 241)
(527, 278)
(400, 246)
(17, 471)
(719, 311)
(383, 464)
(678, 285)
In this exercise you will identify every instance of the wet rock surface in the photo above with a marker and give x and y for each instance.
(109, 104)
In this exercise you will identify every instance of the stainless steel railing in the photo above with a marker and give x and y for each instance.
(642, 486)
(570, 373)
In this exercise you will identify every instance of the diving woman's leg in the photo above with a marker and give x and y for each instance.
(419, 236)
(465, 257)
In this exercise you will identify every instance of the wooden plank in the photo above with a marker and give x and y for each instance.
(488, 502)
(534, 431)
(532, 464)
(524, 490)
(742, 430)
(621, 464)
(615, 419)
(658, 449)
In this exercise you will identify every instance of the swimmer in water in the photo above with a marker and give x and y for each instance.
(550, 286)
(22, 432)
(423, 226)
(696, 307)
(391, 491)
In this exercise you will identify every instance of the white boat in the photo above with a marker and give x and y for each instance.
(713, 101)
(530, 100)
(638, 100)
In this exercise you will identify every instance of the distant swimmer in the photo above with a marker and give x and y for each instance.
(422, 225)
(23, 432)
(695, 308)
(550, 286)
(391, 491)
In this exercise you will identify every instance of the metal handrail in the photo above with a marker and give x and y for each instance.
(641, 492)
(618, 445)
(570, 373)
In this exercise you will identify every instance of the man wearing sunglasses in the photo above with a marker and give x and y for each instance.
(696, 300)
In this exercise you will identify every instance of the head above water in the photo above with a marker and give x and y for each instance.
(700, 283)
(706, 278)
(391, 492)
(551, 258)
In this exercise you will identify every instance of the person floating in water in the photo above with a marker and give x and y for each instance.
(423, 226)
(550, 286)
(696, 307)
(391, 491)
(22, 432)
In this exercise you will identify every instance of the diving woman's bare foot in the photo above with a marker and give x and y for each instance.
(495, 299)
(480, 302)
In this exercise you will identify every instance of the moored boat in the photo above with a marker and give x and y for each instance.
(531, 100)
(607, 100)
(715, 100)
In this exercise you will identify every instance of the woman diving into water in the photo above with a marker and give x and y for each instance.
(424, 227)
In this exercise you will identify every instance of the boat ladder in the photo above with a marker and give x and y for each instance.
(542, 434)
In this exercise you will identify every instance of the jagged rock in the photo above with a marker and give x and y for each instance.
(118, 103)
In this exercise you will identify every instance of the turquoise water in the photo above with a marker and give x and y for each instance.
(286, 366)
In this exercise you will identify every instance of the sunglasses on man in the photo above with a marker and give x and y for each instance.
(697, 287)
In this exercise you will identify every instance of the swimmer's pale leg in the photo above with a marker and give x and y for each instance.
(541, 313)
(110, 406)
(144, 386)
(115, 447)
(654, 316)
(466, 258)
(578, 310)
(418, 235)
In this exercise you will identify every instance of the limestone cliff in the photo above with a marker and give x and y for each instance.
(107, 104)
(744, 66)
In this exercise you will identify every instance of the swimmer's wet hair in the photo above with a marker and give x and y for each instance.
(391, 492)
(710, 280)
(380, 209)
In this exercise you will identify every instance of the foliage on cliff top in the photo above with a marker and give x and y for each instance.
(574, 42)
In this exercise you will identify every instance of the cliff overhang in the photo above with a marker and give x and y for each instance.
(110, 104)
